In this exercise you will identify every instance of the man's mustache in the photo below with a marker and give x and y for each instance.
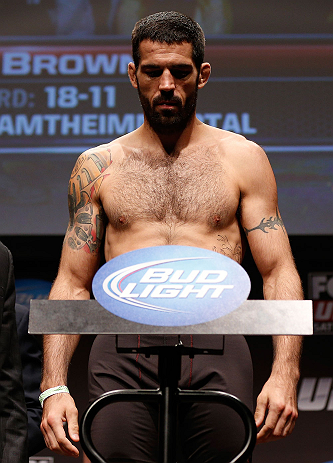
(172, 100)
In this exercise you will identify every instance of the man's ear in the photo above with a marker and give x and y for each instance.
(204, 74)
(132, 74)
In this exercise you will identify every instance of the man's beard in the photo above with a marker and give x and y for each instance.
(166, 121)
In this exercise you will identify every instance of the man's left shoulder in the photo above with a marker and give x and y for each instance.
(236, 144)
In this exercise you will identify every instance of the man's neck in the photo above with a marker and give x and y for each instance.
(173, 141)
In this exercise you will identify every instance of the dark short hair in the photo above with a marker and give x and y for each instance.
(169, 27)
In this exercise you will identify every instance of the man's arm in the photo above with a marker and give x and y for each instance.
(79, 262)
(269, 244)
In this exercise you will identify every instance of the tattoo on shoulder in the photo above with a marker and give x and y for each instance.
(85, 229)
(268, 224)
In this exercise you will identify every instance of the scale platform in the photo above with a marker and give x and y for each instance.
(253, 317)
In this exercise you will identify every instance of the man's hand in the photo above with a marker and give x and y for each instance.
(58, 410)
(276, 408)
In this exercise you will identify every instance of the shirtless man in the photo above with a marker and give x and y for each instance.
(173, 181)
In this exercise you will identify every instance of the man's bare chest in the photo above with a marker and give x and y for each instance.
(186, 189)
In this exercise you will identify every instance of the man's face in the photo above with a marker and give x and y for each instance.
(167, 82)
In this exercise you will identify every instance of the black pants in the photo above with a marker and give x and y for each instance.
(127, 432)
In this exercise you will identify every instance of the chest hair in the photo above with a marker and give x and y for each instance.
(190, 187)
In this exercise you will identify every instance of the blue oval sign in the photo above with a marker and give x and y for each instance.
(171, 285)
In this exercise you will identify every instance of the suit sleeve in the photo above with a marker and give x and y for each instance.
(31, 358)
(13, 423)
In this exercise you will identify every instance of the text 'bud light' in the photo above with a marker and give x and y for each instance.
(171, 285)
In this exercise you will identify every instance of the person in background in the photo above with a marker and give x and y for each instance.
(13, 414)
(31, 359)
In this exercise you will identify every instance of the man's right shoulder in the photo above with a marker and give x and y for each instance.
(100, 156)
(102, 152)
(106, 152)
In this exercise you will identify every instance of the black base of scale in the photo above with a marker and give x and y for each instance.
(168, 396)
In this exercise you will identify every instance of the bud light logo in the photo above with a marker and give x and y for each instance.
(171, 285)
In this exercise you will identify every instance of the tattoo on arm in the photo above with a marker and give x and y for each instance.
(226, 249)
(270, 224)
(85, 229)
